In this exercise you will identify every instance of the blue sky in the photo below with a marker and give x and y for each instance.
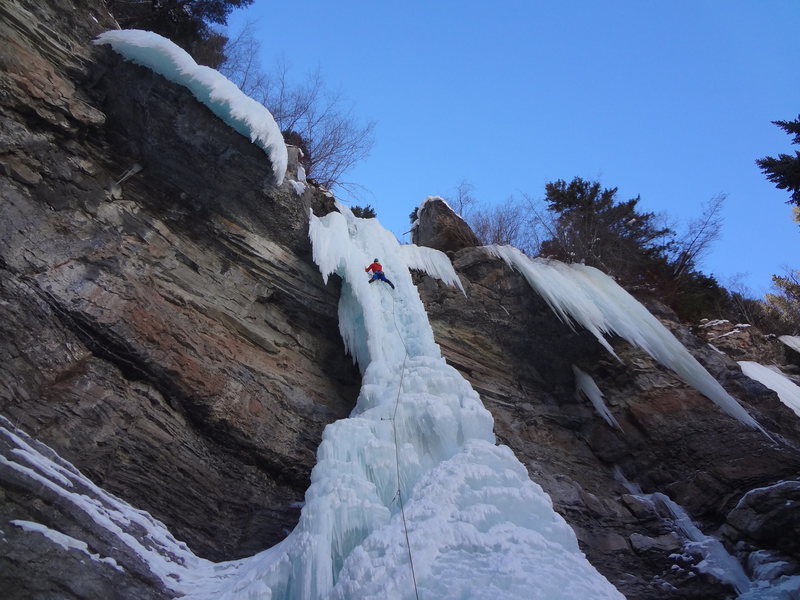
(671, 101)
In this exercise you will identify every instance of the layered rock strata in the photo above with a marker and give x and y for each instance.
(163, 327)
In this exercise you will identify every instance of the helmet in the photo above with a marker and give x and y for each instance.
(375, 260)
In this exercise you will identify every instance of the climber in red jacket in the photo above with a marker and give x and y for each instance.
(377, 272)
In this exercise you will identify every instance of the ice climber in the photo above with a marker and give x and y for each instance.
(377, 272)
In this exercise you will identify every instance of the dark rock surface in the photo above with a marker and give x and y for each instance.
(740, 341)
(769, 518)
(437, 226)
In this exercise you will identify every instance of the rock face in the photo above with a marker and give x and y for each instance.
(168, 335)
(163, 329)
(437, 226)
(769, 516)
(741, 341)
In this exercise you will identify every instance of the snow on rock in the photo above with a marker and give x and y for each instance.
(717, 561)
(712, 323)
(299, 187)
(788, 392)
(707, 552)
(66, 542)
(242, 113)
(584, 384)
(591, 298)
(793, 341)
(128, 530)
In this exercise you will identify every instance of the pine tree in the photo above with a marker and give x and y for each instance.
(364, 212)
(785, 305)
(784, 171)
(593, 228)
(186, 22)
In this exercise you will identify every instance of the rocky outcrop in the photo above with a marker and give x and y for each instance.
(166, 332)
(740, 341)
(437, 226)
(769, 518)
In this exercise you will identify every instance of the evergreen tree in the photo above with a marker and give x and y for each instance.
(785, 305)
(784, 171)
(592, 227)
(365, 212)
(186, 22)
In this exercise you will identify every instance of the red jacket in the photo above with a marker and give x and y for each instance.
(374, 267)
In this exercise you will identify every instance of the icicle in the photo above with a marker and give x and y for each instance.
(788, 392)
(595, 301)
(584, 384)
(433, 262)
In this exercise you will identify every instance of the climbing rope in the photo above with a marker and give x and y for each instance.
(399, 494)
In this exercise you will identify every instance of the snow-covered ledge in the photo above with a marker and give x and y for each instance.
(212, 88)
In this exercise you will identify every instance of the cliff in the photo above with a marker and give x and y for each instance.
(167, 334)
(165, 331)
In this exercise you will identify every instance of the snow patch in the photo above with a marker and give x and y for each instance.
(169, 560)
(299, 187)
(65, 541)
(771, 377)
(217, 92)
(715, 322)
(717, 561)
(793, 341)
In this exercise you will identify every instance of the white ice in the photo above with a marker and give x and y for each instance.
(793, 341)
(217, 92)
(433, 262)
(591, 298)
(586, 386)
(717, 561)
(771, 377)
(476, 523)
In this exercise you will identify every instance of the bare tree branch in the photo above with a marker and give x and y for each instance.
(696, 242)
(332, 139)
